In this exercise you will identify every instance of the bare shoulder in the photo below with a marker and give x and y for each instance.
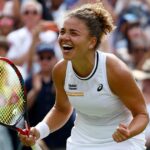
(117, 68)
(59, 73)
(116, 65)
(59, 70)
(123, 84)
(118, 73)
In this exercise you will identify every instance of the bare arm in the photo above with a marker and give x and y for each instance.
(62, 109)
(16, 9)
(124, 86)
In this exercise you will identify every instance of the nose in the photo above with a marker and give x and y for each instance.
(64, 36)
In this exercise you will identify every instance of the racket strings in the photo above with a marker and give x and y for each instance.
(11, 95)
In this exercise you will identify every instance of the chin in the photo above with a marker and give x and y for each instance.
(67, 58)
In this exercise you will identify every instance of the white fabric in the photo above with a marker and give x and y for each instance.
(98, 112)
(7, 9)
(21, 39)
(147, 131)
(43, 128)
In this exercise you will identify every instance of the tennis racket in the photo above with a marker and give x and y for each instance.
(13, 100)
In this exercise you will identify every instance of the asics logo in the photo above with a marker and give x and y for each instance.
(100, 87)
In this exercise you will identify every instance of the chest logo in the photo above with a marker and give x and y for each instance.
(100, 87)
(72, 86)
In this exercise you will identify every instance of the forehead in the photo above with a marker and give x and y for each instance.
(31, 6)
(74, 23)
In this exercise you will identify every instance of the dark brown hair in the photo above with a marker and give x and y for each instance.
(98, 20)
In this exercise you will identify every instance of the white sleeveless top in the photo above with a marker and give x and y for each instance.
(99, 111)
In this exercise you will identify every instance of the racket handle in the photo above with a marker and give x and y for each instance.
(36, 147)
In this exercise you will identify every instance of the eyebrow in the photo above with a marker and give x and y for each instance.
(72, 30)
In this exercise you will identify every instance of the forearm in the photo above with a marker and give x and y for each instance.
(16, 9)
(57, 118)
(138, 124)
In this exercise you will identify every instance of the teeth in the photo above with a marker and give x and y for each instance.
(66, 45)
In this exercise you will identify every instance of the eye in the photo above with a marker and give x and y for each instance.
(62, 31)
(73, 33)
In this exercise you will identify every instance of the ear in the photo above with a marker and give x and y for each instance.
(92, 42)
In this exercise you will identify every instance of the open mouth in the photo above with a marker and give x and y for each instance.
(67, 47)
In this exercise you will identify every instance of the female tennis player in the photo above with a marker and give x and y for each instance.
(111, 112)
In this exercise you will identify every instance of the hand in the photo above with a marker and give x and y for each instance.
(29, 140)
(122, 133)
(35, 33)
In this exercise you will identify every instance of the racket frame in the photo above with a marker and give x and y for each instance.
(24, 114)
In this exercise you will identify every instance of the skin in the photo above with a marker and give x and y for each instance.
(75, 33)
(34, 19)
(124, 86)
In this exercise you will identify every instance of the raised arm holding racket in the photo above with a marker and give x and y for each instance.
(13, 102)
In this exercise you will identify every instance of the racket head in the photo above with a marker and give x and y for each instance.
(13, 101)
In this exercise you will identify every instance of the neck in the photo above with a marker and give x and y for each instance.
(30, 27)
(46, 73)
(83, 67)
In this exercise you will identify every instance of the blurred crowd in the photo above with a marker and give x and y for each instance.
(28, 36)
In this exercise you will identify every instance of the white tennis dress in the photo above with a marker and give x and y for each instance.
(99, 111)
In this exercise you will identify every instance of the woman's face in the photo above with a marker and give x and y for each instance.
(135, 32)
(47, 61)
(74, 39)
(31, 16)
(6, 25)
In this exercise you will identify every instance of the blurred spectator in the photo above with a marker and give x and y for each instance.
(56, 9)
(71, 3)
(4, 132)
(45, 15)
(110, 6)
(143, 76)
(21, 39)
(41, 94)
(137, 50)
(140, 8)
(4, 46)
(129, 36)
(11, 8)
(120, 34)
(7, 24)
(6, 7)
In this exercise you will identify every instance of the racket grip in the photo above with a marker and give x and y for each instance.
(36, 147)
